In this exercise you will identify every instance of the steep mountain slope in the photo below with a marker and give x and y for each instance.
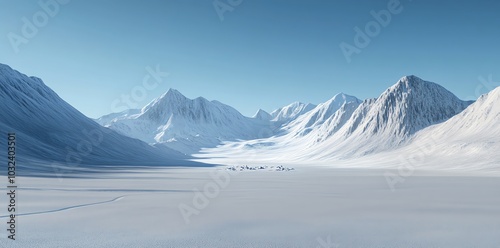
(380, 124)
(336, 121)
(262, 115)
(473, 135)
(408, 106)
(356, 129)
(398, 113)
(50, 130)
(288, 113)
(480, 120)
(413, 118)
(186, 124)
(322, 113)
(117, 116)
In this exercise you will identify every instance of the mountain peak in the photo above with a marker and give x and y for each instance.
(342, 97)
(173, 93)
(291, 111)
(409, 80)
(262, 115)
(323, 111)
(30, 107)
(408, 106)
(414, 84)
(168, 100)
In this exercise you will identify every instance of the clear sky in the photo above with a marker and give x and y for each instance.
(263, 54)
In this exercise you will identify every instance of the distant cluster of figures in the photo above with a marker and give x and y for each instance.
(261, 167)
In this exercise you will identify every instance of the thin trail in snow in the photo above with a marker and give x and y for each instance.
(68, 208)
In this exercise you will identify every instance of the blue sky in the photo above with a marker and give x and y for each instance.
(263, 54)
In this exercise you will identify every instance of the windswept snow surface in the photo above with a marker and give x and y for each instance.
(305, 207)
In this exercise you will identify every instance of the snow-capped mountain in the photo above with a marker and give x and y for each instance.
(387, 122)
(186, 124)
(333, 124)
(117, 116)
(262, 115)
(288, 113)
(480, 120)
(342, 127)
(345, 127)
(358, 128)
(305, 123)
(49, 129)
(472, 135)
(409, 117)
(408, 106)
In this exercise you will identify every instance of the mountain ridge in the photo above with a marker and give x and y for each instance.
(54, 131)
(388, 121)
(408, 114)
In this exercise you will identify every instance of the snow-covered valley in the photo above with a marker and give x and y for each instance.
(414, 167)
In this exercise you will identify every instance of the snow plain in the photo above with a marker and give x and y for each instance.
(310, 206)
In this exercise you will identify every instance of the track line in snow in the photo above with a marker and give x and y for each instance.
(70, 207)
(106, 190)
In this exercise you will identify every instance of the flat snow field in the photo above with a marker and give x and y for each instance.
(305, 207)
